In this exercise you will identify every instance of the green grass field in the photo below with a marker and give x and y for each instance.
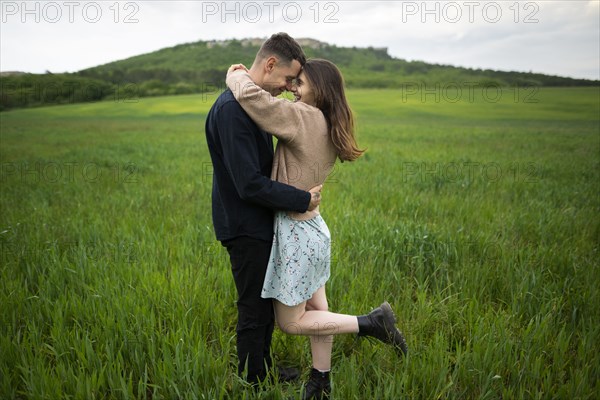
(476, 215)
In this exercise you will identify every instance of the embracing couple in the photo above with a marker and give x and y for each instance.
(265, 205)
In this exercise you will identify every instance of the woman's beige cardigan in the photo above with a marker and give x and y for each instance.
(305, 154)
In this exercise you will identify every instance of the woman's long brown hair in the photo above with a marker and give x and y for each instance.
(328, 86)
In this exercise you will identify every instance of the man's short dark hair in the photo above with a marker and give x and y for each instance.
(282, 46)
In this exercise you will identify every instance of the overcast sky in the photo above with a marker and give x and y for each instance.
(552, 37)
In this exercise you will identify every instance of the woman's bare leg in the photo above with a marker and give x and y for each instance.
(297, 320)
(307, 319)
(320, 346)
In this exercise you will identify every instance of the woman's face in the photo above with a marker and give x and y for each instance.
(303, 91)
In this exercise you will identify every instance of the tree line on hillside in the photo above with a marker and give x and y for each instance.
(200, 67)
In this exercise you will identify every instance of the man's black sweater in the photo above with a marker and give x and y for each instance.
(243, 195)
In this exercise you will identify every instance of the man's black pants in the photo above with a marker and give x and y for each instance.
(249, 258)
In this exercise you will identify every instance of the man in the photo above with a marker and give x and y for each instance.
(244, 197)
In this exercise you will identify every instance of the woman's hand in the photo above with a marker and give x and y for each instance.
(235, 67)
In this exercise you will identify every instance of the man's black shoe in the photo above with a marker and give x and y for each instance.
(287, 374)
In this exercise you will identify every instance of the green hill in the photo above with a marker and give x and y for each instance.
(200, 67)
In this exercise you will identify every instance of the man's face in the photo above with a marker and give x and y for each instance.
(279, 76)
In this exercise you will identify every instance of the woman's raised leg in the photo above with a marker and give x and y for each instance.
(297, 320)
(306, 321)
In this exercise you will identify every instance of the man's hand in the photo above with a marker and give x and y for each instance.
(315, 197)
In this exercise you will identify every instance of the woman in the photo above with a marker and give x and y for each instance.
(313, 131)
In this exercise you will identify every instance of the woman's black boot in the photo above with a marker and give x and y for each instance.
(318, 386)
(380, 324)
